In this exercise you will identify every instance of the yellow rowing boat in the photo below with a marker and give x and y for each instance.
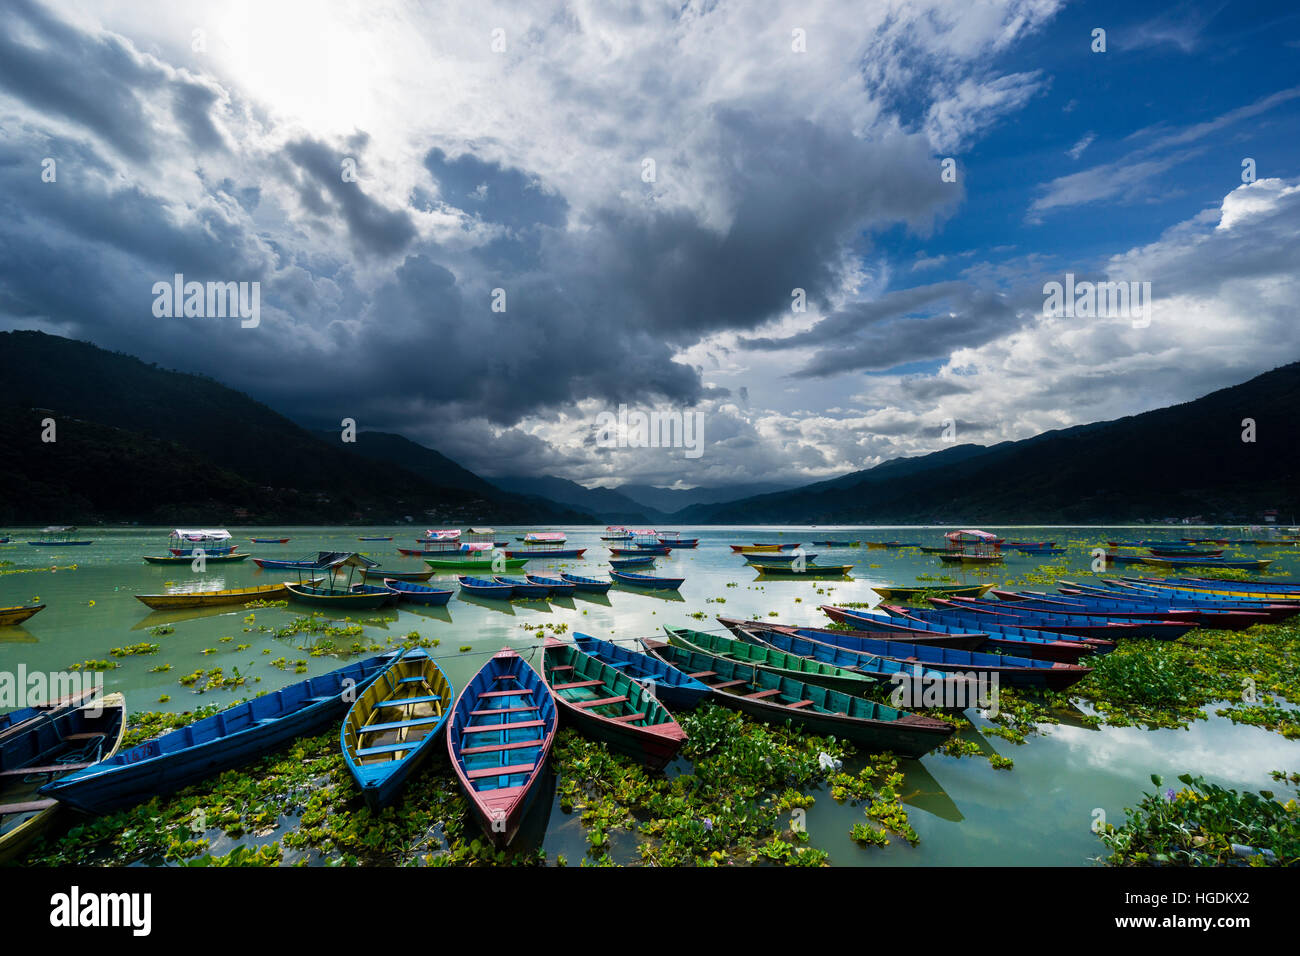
(185, 599)
(18, 613)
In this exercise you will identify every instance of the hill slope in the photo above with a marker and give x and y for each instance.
(1184, 460)
(125, 417)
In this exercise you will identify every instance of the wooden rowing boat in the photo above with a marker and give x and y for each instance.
(777, 662)
(1011, 671)
(761, 548)
(679, 691)
(608, 705)
(185, 599)
(648, 581)
(966, 642)
(555, 587)
(806, 571)
(542, 553)
(499, 739)
(524, 590)
(1000, 637)
(956, 557)
(220, 742)
(872, 666)
(190, 559)
(782, 557)
(418, 593)
(922, 592)
(359, 597)
(390, 729)
(269, 540)
(379, 574)
(588, 585)
(637, 562)
(483, 588)
(476, 564)
(18, 613)
(770, 697)
(55, 744)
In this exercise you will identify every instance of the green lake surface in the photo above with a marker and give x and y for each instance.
(965, 811)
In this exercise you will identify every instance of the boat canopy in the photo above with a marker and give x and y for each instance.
(449, 534)
(333, 560)
(477, 546)
(545, 537)
(979, 535)
(646, 532)
(615, 527)
(482, 531)
(202, 534)
(59, 529)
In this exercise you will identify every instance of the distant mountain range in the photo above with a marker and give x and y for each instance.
(134, 442)
(1186, 460)
(628, 504)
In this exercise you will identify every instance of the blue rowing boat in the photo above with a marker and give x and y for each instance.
(499, 739)
(555, 587)
(673, 687)
(999, 637)
(391, 727)
(589, 585)
(641, 562)
(418, 593)
(481, 587)
(522, 589)
(1011, 671)
(649, 581)
(220, 742)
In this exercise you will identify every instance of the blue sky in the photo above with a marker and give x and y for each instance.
(1214, 59)
(795, 146)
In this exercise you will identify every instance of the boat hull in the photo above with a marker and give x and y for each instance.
(378, 724)
(653, 740)
(908, 735)
(475, 564)
(536, 554)
(347, 600)
(150, 769)
(39, 744)
(168, 602)
(675, 689)
(10, 616)
(504, 719)
(189, 559)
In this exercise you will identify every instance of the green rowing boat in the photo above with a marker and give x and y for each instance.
(767, 696)
(770, 659)
(475, 564)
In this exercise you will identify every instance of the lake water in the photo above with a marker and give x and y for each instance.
(965, 811)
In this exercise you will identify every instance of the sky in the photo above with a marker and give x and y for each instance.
(825, 231)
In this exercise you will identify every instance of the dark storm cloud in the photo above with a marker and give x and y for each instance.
(405, 339)
(799, 192)
(373, 228)
(910, 325)
(98, 81)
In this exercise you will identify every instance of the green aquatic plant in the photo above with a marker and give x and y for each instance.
(133, 650)
(1204, 824)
